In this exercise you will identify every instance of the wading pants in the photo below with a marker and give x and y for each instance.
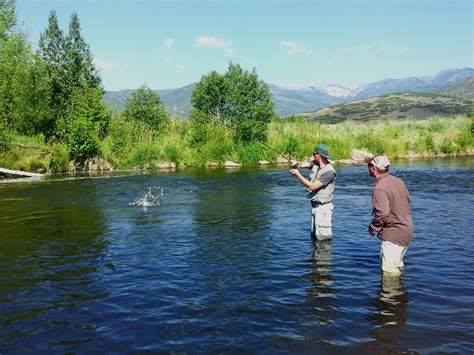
(321, 221)
(391, 255)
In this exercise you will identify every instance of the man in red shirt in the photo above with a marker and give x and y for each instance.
(391, 221)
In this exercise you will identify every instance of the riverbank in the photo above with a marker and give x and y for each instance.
(292, 137)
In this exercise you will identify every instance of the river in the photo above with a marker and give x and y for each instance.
(225, 263)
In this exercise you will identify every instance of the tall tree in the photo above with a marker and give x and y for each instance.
(209, 95)
(237, 98)
(248, 103)
(79, 64)
(145, 105)
(7, 17)
(52, 52)
(22, 86)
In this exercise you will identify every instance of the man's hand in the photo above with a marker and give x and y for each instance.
(371, 231)
(294, 164)
(294, 171)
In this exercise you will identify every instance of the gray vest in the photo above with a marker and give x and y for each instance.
(325, 193)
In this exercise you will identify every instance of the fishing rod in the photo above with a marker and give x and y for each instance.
(246, 135)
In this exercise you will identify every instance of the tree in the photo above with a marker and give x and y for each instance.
(52, 53)
(7, 17)
(144, 105)
(237, 98)
(248, 103)
(208, 95)
(22, 84)
(81, 72)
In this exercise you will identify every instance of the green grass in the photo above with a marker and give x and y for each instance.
(135, 146)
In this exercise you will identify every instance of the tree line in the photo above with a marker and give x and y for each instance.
(56, 92)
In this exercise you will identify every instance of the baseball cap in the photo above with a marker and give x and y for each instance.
(381, 162)
(324, 150)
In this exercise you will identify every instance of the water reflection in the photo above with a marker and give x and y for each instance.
(51, 250)
(320, 294)
(391, 315)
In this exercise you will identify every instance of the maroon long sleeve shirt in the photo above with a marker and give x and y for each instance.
(391, 204)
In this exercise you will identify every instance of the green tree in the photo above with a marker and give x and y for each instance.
(238, 99)
(144, 105)
(7, 17)
(22, 83)
(51, 51)
(248, 103)
(81, 72)
(209, 95)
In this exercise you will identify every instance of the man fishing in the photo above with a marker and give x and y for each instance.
(320, 191)
(391, 220)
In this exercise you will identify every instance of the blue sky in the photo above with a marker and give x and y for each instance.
(169, 44)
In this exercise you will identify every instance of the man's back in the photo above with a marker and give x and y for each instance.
(392, 202)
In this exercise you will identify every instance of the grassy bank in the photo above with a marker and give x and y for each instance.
(131, 145)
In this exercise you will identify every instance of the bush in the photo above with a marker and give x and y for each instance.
(465, 138)
(59, 159)
(82, 142)
(5, 138)
(171, 153)
(143, 157)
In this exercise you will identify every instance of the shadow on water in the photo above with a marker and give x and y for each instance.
(51, 251)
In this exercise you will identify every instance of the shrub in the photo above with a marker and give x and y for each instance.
(82, 142)
(5, 138)
(59, 159)
(143, 157)
(171, 153)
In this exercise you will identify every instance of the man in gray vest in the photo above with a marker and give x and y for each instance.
(320, 191)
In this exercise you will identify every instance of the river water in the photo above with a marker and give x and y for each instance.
(225, 263)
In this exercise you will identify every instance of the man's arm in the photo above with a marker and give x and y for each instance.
(323, 180)
(380, 211)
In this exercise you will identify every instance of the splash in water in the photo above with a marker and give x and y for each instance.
(148, 200)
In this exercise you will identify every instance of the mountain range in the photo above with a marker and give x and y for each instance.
(289, 101)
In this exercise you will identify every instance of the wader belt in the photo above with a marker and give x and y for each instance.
(317, 203)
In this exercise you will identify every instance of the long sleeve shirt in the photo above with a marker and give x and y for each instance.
(391, 204)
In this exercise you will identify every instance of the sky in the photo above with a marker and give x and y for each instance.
(170, 44)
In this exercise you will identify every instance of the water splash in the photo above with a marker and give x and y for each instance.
(148, 200)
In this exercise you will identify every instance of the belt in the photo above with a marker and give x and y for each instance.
(317, 203)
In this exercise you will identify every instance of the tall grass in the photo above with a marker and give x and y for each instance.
(134, 145)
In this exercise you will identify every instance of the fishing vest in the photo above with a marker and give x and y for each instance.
(325, 193)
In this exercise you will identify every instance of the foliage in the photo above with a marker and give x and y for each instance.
(143, 157)
(145, 106)
(5, 138)
(237, 99)
(82, 142)
(59, 158)
(88, 105)
(80, 70)
(209, 95)
(123, 137)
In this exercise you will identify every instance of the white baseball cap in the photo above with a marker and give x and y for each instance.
(381, 162)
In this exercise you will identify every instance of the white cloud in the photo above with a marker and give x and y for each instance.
(382, 46)
(168, 60)
(180, 66)
(105, 65)
(294, 48)
(169, 41)
(208, 41)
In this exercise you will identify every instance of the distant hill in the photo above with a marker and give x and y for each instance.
(293, 101)
(463, 90)
(394, 106)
